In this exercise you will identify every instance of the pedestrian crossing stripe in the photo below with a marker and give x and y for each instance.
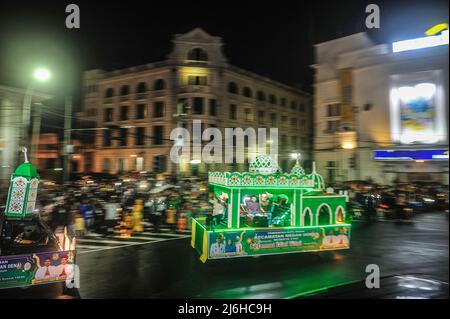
(93, 242)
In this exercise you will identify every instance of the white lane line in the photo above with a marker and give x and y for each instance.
(143, 243)
(150, 233)
(140, 237)
(81, 240)
(88, 246)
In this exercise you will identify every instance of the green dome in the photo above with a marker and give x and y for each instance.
(26, 170)
(263, 164)
(297, 170)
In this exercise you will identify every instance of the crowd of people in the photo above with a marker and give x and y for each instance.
(122, 208)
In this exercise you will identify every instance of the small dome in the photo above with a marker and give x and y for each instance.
(297, 170)
(319, 182)
(26, 170)
(263, 164)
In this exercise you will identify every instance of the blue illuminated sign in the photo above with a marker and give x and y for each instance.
(411, 155)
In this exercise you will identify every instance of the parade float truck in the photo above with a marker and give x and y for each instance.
(30, 253)
(265, 212)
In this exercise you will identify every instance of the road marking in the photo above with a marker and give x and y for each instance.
(143, 243)
(106, 241)
(164, 234)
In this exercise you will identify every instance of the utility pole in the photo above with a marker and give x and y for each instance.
(67, 133)
(36, 131)
(26, 110)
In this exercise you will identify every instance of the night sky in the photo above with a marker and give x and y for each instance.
(269, 38)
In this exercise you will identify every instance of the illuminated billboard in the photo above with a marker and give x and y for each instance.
(411, 155)
(417, 112)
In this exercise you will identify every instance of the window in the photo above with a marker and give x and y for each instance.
(158, 109)
(159, 164)
(293, 105)
(272, 99)
(109, 92)
(302, 107)
(294, 140)
(141, 111)
(283, 101)
(232, 88)
(261, 116)
(141, 87)
(160, 84)
(91, 112)
(109, 112)
(248, 114)
(158, 135)
(124, 90)
(107, 138)
(233, 112)
(261, 96)
(303, 125)
(284, 120)
(198, 54)
(123, 138)
(140, 135)
(212, 107)
(182, 106)
(197, 80)
(333, 109)
(197, 105)
(124, 113)
(273, 119)
(294, 122)
(283, 140)
(106, 165)
(333, 126)
(247, 92)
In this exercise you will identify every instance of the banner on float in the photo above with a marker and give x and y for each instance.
(36, 268)
(247, 242)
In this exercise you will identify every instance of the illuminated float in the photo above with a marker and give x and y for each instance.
(30, 253)
(265, 212)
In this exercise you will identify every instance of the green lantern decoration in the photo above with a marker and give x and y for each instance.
(22, 191)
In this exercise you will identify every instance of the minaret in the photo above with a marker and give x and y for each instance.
(22, 190)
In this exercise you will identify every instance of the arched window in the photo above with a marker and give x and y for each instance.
(324, 215)
(124, 90)
(261, 96)
(307, 217)
(339, 215)
(232, 88)
(272, 99)
(247, 92)
(109, 92)
(160, 84)
(141, 87)
(198, 54)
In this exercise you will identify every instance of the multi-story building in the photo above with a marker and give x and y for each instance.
(381, 112)
(136, 109)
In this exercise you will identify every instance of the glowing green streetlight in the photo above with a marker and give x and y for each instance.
(42, 74)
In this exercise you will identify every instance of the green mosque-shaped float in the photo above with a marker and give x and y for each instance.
(264, 211)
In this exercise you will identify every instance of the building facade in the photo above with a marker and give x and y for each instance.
(136, 109)
(380, 115)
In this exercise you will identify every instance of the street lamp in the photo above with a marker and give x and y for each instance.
(42, 75)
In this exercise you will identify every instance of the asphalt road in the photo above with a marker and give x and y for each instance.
(172, 269)
(165, 266)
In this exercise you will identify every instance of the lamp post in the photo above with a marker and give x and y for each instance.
(39, 75)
